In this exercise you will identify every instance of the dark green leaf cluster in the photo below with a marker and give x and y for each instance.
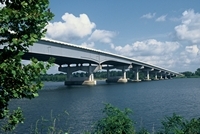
(178, 125)
(22, 23)
(115, 122)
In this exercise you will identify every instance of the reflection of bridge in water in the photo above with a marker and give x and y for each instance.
(71, 58)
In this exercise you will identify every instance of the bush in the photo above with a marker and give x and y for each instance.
(178, 125)
(115, 122)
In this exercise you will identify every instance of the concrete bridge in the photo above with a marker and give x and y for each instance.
(71, 58)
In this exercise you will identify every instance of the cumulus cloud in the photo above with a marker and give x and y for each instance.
(88, 45)
(161, 18)
(148, 48)
(102, 36)
(192, 50)
(71, 28)
(149, 15)
(189, 57)
(189, 28)
(151, 51)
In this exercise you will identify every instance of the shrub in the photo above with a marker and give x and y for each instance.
(115, 121)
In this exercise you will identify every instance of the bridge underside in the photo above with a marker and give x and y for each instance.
(58, 59)
(107, 65)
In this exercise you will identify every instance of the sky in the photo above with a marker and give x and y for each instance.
(165, 33)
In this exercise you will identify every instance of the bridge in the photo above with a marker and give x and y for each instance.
(72, 58)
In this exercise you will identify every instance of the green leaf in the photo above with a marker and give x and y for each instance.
(13, 72)
(27, 19)
(35, 94)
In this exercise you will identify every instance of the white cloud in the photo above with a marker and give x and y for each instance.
(102, 36)
(189, 57)
(148, 48)
(151, 51)
(71, 28)
(189, 29)
(90, 45)
(149, 15)
(161, 18)
(192, 50)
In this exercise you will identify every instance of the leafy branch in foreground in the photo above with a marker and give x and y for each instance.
(22, 23)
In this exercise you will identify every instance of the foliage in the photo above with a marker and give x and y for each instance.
(189, 74)
(142, 131)
(197, 72)
(53, 77)
(49, 126)
(178, 125)
(22, 23)
(115, 122)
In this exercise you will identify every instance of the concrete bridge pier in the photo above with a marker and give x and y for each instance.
(161, 76)
(169, 77)
(89, 80)
(165, 76)
(136, 71)
(147, 74)
(116, 79)
(156, 75)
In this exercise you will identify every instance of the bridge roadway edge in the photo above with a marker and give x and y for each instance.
(67, 53)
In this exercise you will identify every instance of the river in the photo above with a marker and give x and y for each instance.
(149, 101)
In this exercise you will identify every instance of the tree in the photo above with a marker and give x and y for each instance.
(22, 23)
(188, 74)
(115, 121)
(197, 72)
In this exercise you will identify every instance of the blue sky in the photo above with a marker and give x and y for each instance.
(162, 32)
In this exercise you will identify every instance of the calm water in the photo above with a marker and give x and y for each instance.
(150, 102)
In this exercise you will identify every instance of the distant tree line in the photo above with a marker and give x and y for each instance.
(189, 74)
(97, 75)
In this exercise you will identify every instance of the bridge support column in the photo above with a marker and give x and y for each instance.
(165, 76)
(117, 79)
(136, 74)
(108, 73)
(123, 78)
(156, 75)
(161, 78)
(147, 75)
(89, 80)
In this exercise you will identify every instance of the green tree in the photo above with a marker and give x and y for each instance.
(197, 72)
(188, 74)
(22, 23)
(115, 121)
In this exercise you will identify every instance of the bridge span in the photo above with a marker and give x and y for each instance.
(71, 58)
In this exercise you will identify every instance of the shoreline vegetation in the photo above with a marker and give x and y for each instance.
(117, 121)
(102, 75)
